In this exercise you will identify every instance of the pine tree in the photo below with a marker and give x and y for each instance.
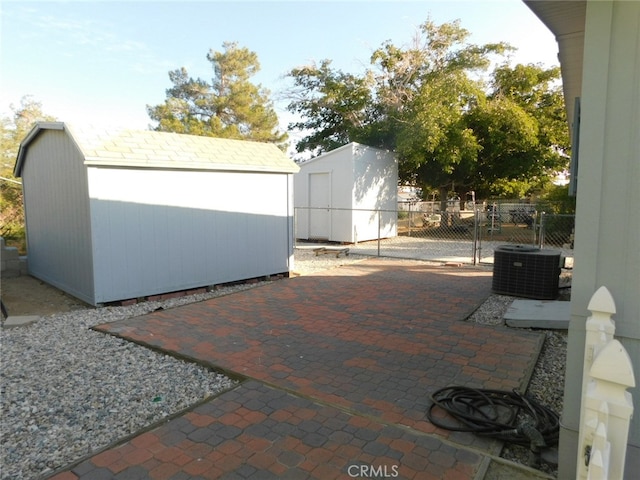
(230, 106)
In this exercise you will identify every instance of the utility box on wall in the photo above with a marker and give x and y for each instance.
(120, 214)
(347, 195)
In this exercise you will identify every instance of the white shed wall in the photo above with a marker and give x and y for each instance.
(57, 215)
(338, 167)
(375, 188)
(361, 178)
(160, 231)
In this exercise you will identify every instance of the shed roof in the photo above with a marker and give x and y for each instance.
(162, 150)
(349, 146)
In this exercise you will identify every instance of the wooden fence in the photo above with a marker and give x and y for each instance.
(606, 407)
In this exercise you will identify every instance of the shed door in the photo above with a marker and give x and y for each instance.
(320, 203)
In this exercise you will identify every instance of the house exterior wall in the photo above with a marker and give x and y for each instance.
(57, 215)
(607, 221)
(160, 230)
(361, 178)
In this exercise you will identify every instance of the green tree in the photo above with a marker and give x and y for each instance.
(538, 91)
(555, 199)
(450, 130)
(13, 129)
(508, 148)
(412, 101)
(522, 131)
(334, 107)
(230, 106)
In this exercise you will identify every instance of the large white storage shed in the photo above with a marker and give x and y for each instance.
(115, 215)
(348, 195)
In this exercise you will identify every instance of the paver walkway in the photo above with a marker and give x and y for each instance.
(340, 366)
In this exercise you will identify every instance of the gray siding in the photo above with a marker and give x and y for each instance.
(125, 214)
(607, 220)
(163, 231)
(57, 215)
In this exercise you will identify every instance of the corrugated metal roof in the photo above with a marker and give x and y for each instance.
(162, 150)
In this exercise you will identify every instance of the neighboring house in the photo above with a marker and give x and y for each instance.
(407, 195)
(599, 52)
(115, 215)
(347, 195)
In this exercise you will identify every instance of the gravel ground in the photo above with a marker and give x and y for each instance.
(547, 381)
(66, 390)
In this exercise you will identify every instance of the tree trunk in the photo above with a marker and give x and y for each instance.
(443, 191)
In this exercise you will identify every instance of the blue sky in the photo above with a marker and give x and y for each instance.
(101, 63)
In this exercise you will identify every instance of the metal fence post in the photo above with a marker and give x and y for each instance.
(542, 217)
(295, 227)
(476, 226)
(379, 222)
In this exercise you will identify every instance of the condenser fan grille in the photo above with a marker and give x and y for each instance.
(526, 271)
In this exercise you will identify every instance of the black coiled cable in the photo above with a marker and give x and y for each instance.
(493, 413)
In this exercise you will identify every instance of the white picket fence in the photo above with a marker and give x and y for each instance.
(606, 407)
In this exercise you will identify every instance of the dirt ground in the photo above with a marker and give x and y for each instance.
(26, 295)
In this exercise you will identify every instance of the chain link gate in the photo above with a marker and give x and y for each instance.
(421, 231)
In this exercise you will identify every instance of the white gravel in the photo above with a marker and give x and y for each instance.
(66, 390)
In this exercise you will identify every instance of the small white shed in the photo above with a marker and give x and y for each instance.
(116, 215)
(348, 195)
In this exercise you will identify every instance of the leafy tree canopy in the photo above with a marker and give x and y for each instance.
(13, 129)
(334, 106)
(426, 101)
(229, 106)
(521, 129)
(538, 91)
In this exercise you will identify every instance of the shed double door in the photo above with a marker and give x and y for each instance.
(320, 203)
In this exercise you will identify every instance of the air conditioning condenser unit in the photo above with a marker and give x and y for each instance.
(527, 271)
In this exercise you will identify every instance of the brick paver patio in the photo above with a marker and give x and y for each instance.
(339, 366)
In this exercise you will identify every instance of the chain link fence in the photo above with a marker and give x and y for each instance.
(422, 230)
(512, 223)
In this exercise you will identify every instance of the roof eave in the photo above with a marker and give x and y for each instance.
(566, 20)
(31, 136)
(276, 165)
(101, 162)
